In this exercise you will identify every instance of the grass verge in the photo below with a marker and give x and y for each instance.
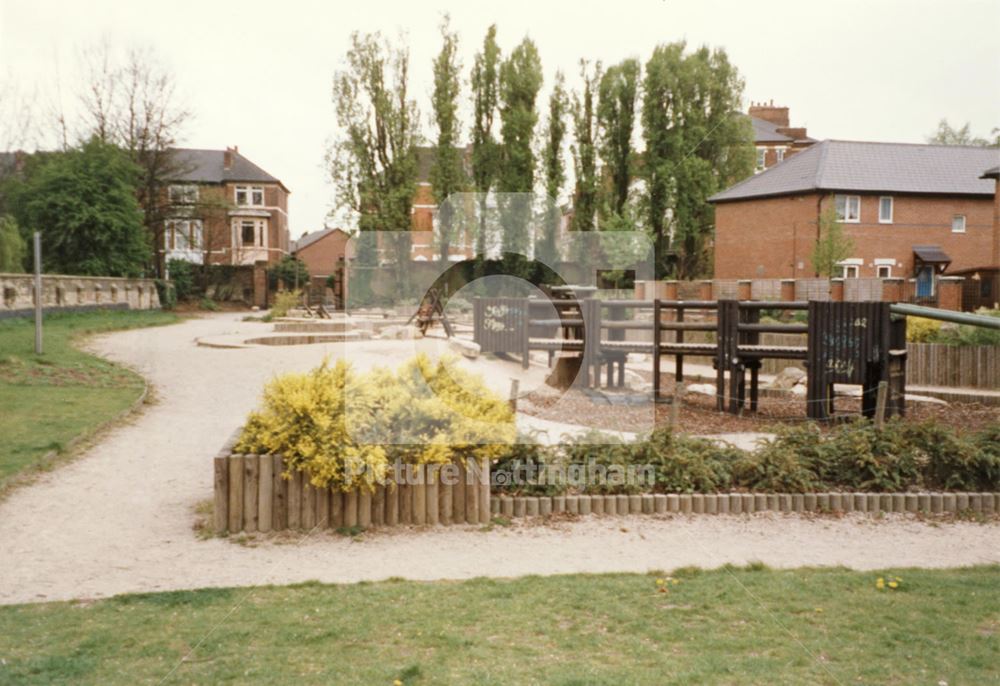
(748, 625)
(65, 394)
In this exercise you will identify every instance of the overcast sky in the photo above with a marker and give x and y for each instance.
(258, 74)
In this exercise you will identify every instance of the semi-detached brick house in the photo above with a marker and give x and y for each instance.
(911, 211)
(773, 137)
(224, 208)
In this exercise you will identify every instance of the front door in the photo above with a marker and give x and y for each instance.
(925, 281)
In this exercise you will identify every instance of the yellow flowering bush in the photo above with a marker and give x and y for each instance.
(921, 329)
(344, 430)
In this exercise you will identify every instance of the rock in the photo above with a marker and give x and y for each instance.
(799, 389)
(788, 377)
(703, 388)
(464, 347)
(400, 333)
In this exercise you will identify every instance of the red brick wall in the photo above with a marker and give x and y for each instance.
(774, 238)
(322, 257)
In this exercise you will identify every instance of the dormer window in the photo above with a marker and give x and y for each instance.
(250, 196)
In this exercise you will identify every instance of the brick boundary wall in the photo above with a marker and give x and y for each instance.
(250, 495)
(76, 293)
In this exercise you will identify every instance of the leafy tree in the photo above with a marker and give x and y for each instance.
(832, 246)
(373, 165)
(291, 271)
(554, 169)
(83, 200)
(12, 247)
(485, 149)
(520, 80)
(447, 173)
(585, 149)
(130, 100)
(946, 135)
(616, 101)
(696, 144)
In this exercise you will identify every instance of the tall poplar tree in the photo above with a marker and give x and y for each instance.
(554, 170)
(485, 149)
(447, 173)
(585, 149)
(616, 104)
(373, 164)
(697, 143)
(520, 81)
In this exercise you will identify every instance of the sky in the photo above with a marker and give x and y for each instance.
(259, 74)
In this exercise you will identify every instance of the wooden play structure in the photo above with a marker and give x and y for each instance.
(847, 342)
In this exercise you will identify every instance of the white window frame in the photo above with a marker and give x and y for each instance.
(780, 154)
(191, 230)
(761, 161)
(886, 263)
(845, 217)
(249, 193)
(958, 218)
(850, 268)
(892, 206)
(260, 227)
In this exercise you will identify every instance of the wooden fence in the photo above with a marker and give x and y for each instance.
(252, 494)
(967, 366)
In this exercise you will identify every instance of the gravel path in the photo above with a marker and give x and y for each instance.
(119, 518)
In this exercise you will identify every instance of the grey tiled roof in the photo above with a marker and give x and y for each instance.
(310, 238)
(873, 167)
(207, 166)
(766, 132)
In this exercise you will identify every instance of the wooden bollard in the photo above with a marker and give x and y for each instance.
(885, 502)
(265, 493)
(220, 491)
(494, 506)
(610, 504)
(364, 508)
(458, 494)
(597, 505)
(659, 503)
(948, 502)
(910, 502)
(572, 504)
(308, 516)
(673, 502)
(419, 496)
(531, 506)
(899, 502)
(873, 502)
(622, 506)
(519, 506)
(937, 503)
(759, 502)
(698, 503)
(584, 503)
(235, 493)
(847, 502)
(923, 502)
(471, 495)
(635, 504)
(836, 503)
(351, 508)
(860, 502)
(735, 503)
(336, 508)
(559, 504)
(406, 499)
(446, 490)
(823, 502)
(378, 505)
(685, 503)
(989, 503)
(545, 506)
(785, 502)
(749, 503)
(772, 502)
(431, 475)
(295, 499)
(484, 491)
(975, 502)
(506, 506)
(711, 504)
(279, 494)
(798, 502)
(961, 502)
(391, 503)
(647, 504)
(723, 503)
(251, 491)
(323, 508)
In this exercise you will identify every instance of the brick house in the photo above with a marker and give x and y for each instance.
(911, 211)
(325, 253)
(424, 214)
(224, 209)
(773, 136)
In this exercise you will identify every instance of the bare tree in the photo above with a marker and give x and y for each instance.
(130, 99)
(16, 121)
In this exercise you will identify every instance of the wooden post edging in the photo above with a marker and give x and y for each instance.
(251, 494)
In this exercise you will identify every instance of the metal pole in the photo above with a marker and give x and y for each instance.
(38, 293)
(946, 315)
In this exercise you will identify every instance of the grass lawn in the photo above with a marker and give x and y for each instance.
(747, 625)
(48, 400)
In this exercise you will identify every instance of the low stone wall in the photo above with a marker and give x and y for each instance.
(61, 292)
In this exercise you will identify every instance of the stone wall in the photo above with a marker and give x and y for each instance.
(17, 293)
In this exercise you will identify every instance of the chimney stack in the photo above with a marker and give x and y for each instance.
(768, 112)
(227, 157)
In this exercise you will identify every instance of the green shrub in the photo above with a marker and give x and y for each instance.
(784, 463)
(290, 272)
(511, 472)
(182, 276)
(208, 304)
(954, 462)
(689, 465)
(284, 301)
(167, 294)
(922, 330)
(862, 457)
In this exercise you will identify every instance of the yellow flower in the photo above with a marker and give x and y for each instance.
(880, 583)
(893, 584)
(674, 581)
(397, 682)
(819, 609)
(660, 582)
